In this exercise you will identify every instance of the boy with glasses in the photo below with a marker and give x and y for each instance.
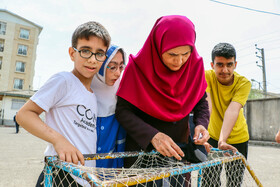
(69, 103)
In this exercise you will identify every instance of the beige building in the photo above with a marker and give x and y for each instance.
(19, 38)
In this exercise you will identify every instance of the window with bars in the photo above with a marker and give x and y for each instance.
(2, 45)
(3, 26)
(17, 103)
(24, 33)
(22, 50)
(20, 67)
(18, 84)
(1, 62)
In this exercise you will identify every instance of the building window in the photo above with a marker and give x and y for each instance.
(0, 62)
(24, 34)
(3, 28)
(17, 103)
(22, 50)
(2, 45)
(18, 84)
(20, 67)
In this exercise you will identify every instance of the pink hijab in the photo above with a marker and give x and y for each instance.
(153, 88)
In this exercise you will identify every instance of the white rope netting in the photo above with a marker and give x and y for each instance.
(153, 169)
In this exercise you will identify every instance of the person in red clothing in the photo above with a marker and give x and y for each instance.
(161, 85)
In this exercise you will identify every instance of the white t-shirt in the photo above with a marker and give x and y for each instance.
(71, 110)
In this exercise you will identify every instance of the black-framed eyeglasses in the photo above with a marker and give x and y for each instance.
(85, 53)
(114, 68)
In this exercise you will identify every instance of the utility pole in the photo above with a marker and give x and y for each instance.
(261, 50)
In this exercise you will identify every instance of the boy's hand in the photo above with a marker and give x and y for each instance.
(277, 137)
(67, 152)
(28, 118)
(224, 146)
(201, 135)
(166, 146)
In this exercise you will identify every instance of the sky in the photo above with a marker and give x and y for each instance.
(242, 23)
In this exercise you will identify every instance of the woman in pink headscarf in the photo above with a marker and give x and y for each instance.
(161, 85)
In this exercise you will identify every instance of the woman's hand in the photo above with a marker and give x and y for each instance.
(201, 135)
(208, 147)
(166, 146)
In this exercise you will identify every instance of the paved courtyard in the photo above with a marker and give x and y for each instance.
(21, 160)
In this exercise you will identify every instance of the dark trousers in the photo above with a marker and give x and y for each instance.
(234, 175)
(62, 179)
(17, 127)
(176, 181)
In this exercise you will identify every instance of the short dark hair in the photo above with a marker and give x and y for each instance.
(225, 50)
(88, 29)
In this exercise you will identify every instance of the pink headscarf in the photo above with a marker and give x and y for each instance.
(153, 88)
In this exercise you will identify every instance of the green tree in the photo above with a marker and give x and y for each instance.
(256, 94)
